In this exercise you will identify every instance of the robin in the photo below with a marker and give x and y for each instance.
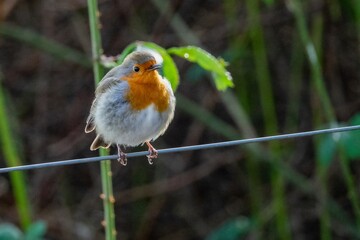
(133, 105)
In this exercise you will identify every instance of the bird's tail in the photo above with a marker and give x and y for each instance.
(99, 143)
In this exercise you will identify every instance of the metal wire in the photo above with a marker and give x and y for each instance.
(181, 149)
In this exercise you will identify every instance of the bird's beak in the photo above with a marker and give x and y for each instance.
(154, 67)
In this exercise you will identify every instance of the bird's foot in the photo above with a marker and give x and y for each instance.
(122, 156)
(153, 153)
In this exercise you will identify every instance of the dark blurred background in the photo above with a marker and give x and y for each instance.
(294, 189)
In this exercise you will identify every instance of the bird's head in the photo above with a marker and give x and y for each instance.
(140, 66)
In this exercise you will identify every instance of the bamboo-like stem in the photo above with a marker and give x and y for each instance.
(12, 158)
(107, 195)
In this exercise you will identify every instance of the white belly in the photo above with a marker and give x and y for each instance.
(117, 123)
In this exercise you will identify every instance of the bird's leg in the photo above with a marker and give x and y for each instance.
(153, 153)
(122, 156)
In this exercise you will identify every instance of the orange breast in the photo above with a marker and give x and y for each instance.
(148, 89)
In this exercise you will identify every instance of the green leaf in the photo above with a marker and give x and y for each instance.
(10, 232)
(169, 68)
(351, 140)
(233, 229)
(36, 231)
(207, 61)
(326, 149)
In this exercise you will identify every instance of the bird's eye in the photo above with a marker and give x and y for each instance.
(136, 69)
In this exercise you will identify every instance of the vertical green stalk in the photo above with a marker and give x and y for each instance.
(296, 66)
(321, 169)
(107, 196)
(356, 6)
(318, 81)
(12, 158)
(315, 65)
(238, 44)
(269, 112)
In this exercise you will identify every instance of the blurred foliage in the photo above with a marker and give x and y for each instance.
(294, 67)
(10, 145)
(349, 141)
(36, 231)
(44, 44)
(233, 229)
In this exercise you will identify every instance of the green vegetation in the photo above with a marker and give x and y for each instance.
(106, 174)
(10, 148)
(281, 69)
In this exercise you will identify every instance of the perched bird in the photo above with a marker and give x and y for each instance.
(133, 105)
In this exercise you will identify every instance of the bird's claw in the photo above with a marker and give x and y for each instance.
(153, 153)
(122, 156)
(122, 159)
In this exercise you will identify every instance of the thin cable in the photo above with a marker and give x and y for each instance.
(181, 149)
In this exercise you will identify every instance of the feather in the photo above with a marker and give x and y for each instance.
(99, 143)
(90, 126)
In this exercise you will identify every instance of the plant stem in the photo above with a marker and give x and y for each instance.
(319, 85)
(107, 196)
(295, 86)
(12, 159)
(269, 112)
(313, 59)
(321, 169)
